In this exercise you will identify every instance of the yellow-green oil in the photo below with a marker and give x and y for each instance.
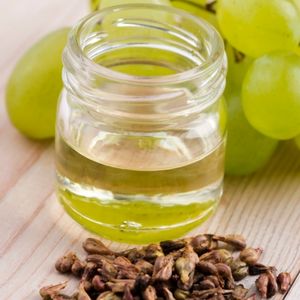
(138, 206)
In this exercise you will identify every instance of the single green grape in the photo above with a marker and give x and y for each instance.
(34, 87)
(198, 9)
(258, 27)
(247, 150)
(271, 95)
(100, 4)
(238, 65)
(297, 141)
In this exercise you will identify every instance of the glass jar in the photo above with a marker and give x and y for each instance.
(141, 123)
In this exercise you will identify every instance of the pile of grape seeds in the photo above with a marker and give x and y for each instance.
(202, 267)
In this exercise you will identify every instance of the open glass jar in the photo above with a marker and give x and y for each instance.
(141, 123)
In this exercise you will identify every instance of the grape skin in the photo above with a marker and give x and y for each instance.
(247, 150)
(258, 27)
(238, 65)
(198, 9)
(271, 95)
(108, 3)
(34, 86)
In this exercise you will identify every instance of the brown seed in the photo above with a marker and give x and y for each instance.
(214, 280)
(284, 281)
(170, 246)
(144, 266)
(108, 296)
(237, 241)
(212, 256)
(163, 268)
(141, 282)
(168, 294)
(258, 269)
(127, 293)
(126, 270)
(226, 256)
(262, 284)
(197, 277)
(250, 255)
(153, 251)
(87, 285)
(64, 264)
(118, 285)
(239, 269)
(239, 292)
(82, 294)
(98, 284)
(134, 254)
(52, 290)
(207, 268)
(108, 271)
(181, 294)
(203, 242)
(89, 271)
(205, 284)
(217, 256)
(149, 293)
(122, 261)
(207, 294)
(225, 272)
(94, 246)
(78, 267)
(185, 267)
(99, 259)
(272, 285)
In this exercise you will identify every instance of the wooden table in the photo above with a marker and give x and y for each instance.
(34, 229)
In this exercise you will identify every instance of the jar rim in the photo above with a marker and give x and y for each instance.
(215, 58)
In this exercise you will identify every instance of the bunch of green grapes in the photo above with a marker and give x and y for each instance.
(263, 91)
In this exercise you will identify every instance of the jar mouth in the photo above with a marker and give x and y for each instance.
(213, 42)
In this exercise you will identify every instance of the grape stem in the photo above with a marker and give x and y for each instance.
(238, 56)
(210, 5)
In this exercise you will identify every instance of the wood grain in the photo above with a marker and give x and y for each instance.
(34, 229)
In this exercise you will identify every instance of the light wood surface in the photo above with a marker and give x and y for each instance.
(34, 230)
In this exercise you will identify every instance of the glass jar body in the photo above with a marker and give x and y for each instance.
(142, 160)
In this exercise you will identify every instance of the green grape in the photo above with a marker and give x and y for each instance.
(34, 86)
(100, 4)
(238, 65)
(297, 141)
(198, 9)
(247, 150)
(271, 95)
(258, 27)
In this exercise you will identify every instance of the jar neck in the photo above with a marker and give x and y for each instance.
(163, 66)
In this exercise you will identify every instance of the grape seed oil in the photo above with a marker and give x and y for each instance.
(138, 201)
(141, 123)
